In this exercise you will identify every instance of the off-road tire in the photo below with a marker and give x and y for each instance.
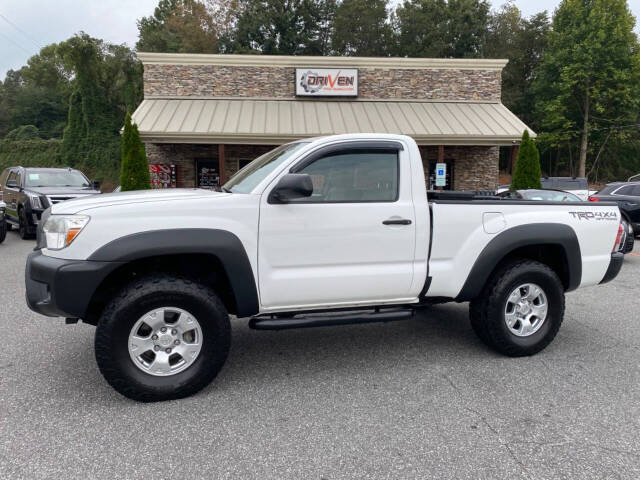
(144, 295)
(486, 312)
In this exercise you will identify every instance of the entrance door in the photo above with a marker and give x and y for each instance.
(334, 247)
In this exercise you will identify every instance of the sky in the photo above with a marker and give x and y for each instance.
(27, 25)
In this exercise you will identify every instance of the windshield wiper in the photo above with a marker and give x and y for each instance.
(225, 190)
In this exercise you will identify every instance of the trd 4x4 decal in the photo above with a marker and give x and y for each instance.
(611, 215)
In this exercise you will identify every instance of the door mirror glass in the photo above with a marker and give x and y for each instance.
(292, 186)
(12, 183)
(96, 185)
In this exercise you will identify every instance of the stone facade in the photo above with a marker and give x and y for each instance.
(279, 82)
(476, 168)
(471, 168)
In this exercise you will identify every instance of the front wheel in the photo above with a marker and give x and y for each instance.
(3, 229)
(23, 225)
(520, 310)
(162, 338)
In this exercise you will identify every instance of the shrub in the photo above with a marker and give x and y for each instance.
(527, 171)
(23, 132)
(135, 168)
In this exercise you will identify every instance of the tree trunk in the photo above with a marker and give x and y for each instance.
(582, 166)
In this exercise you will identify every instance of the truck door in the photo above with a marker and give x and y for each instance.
(352, 241)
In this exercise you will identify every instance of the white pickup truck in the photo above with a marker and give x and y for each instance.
(325, 231)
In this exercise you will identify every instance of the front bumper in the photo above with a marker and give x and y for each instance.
(63, 288)
(614, 267)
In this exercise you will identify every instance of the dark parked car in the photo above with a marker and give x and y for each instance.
(29, 191)
(627, 196)
(627, 240)
(540, 195)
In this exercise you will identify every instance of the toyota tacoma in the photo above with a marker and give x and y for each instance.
(324, 231)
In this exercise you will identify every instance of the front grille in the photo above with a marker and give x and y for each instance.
(57, 199)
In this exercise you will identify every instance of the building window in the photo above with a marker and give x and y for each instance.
(431, 180)
(207, 174)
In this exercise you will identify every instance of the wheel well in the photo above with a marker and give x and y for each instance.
(625, 216)
(552, 255)
(206, 269)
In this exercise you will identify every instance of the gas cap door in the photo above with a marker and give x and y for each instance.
(493, 222)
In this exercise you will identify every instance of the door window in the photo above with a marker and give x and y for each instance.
(13, 177)
(628, 190)
(353, 176)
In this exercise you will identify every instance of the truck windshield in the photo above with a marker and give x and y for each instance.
(246, 179)
(56, 179)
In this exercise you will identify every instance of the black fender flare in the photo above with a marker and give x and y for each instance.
(224, 245)
(533, 234)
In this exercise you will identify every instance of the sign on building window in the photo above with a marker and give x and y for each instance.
(163, 175)
(441, 174)
(327, 82)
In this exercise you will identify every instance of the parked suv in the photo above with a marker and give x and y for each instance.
(627, 196)
(575, 185)
(29, 191)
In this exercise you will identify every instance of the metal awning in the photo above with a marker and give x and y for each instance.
(275, 121)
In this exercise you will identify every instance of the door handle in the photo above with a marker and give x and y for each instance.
(399, 221)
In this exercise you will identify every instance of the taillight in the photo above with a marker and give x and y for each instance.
(594, 199)
(616, 246)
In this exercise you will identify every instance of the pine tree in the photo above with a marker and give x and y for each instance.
(135, 168)
(527, 170)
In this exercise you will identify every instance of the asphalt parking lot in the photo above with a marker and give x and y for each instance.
(415, 399)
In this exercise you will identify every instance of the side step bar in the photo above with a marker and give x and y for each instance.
(274, 323)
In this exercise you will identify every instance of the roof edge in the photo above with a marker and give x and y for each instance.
(174, 98)
(232, 60)
(247, 139)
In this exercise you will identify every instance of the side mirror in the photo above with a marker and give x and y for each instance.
(291, 187)
(96, 185)
(12, 184)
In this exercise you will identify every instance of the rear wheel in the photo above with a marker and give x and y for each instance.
(520, 310)
(162, 338)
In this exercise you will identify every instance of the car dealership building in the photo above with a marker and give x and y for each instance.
(205, 116)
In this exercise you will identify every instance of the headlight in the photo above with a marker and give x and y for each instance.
(36, 202)
(60, 230)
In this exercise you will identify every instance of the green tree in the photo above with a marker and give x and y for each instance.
(361, 28)
(283, 27)
(587, 82)
(36, 94)
(179, 26)
(107, 83)
(522, 41)
(441, 28)
(527, 171)
(134, 166)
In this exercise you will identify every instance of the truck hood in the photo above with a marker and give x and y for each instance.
(140, 196)
(62, 190)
